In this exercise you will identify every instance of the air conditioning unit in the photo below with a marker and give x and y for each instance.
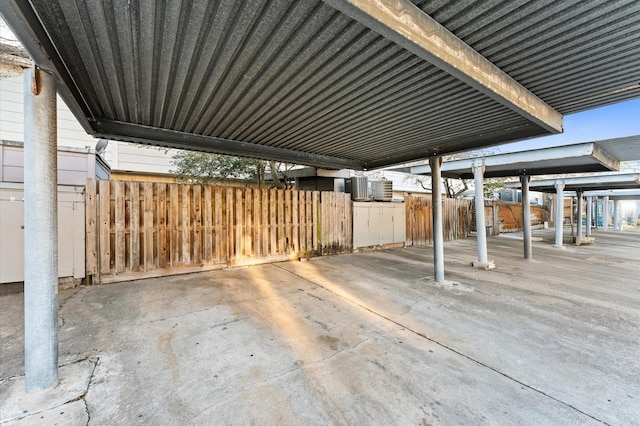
(359, 188)
(382, 190)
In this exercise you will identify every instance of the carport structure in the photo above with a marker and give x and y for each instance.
(580, 185)
(614, 195)
(597, 156)
(335, 83)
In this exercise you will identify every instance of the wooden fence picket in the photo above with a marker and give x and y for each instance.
(138, 229)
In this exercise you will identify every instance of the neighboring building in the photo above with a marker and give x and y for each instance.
(127, 161)
(75, 165)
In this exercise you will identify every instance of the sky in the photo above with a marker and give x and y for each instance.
(612, 121)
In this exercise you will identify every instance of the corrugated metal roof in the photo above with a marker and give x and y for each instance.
(588, 157)
(586, 183)
(303, 82)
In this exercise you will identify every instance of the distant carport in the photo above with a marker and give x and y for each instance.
(581, 184)
(614, 195)
(338, 84)
(598, 156)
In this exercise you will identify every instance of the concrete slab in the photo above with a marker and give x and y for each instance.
(367, 338)
(54, 406)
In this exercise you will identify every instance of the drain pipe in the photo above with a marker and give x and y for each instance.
(40, 231)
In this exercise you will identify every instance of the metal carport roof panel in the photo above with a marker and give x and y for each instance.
(303, 82)
(587, 183)
(616, 194)
(587, 157)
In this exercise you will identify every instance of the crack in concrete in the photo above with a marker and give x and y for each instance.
(81, 397)
(75, 361)
(449, 348)
(64, 302)
(84, 396)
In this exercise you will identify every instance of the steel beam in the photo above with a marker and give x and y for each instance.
(438, 233)
(40, 231)
(408, 26)
(526, 217)
(170, 138)
(605, 210)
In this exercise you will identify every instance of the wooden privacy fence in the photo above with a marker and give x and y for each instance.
(138, 229)
(456, 218)
(510, 215)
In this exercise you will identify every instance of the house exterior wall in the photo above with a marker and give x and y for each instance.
(75, 165)
(121, 156)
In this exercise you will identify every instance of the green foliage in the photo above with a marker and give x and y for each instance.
(205, 168)
(493, 185)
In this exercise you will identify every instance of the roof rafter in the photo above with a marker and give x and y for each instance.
(408, 26)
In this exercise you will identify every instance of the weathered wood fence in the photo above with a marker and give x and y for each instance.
(510, 216)
(456, 215)
(140, 229)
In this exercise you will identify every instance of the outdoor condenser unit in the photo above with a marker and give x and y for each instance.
(359, 188)
(382, 190)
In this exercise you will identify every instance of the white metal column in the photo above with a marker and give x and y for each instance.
(559, 212)
(40, 231)
(481, 225)
(438, 234)
(605, 211)
(526, 217)
(579, 219)
(589, 215)
(616, 215)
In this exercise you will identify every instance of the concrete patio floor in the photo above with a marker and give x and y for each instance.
(357, 339)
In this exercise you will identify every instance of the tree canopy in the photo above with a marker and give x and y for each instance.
(205, 168)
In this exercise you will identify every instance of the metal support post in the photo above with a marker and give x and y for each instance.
(616, 215)
(605, 211)
(589, 215)
(559, 212)
(40, 231)
(438, 234)
(579, 219)
(526, 217)
(481, 225)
